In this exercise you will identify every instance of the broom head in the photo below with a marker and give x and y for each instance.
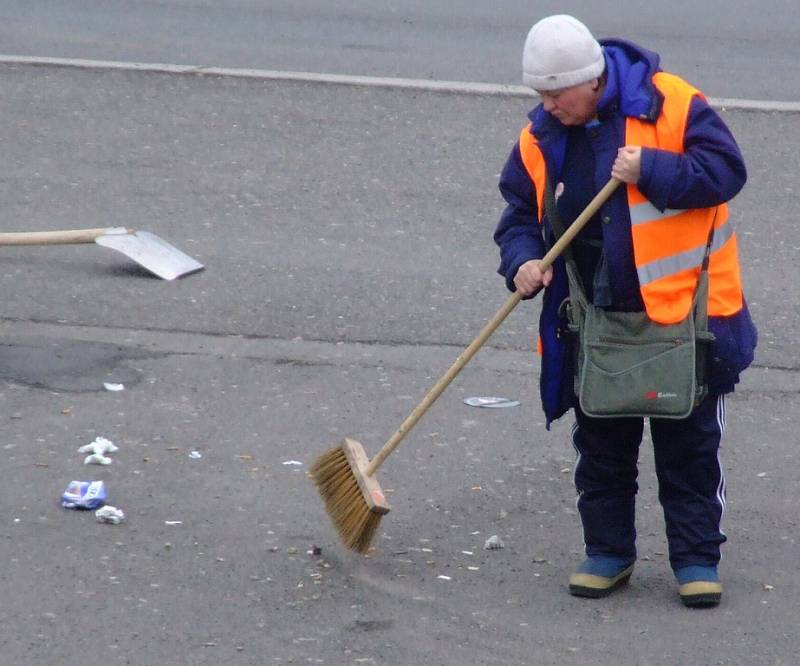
(353, 500)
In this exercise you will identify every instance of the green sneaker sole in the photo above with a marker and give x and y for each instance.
(700, 594)
(595, 587)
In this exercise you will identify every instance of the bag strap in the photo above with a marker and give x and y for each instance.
(700, 301)
(576, 290)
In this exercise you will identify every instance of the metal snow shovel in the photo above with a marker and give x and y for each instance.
(146, 249)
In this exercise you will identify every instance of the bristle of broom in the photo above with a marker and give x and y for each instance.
(352, 517)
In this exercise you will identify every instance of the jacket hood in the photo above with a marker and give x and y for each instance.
(629, 87)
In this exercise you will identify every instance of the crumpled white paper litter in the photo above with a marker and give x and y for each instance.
(494, 542)
(97, 451)
(109, 514)
(490, 401)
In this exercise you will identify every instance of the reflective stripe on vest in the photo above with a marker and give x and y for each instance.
(668, 245)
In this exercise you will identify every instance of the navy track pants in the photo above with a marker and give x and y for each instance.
(690, 480)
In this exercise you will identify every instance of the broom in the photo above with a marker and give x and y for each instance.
(345, 476)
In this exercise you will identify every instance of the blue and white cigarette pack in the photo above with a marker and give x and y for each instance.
(84, 495)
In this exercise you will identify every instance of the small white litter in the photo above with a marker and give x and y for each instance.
(97, 451)
(490, 401)
(109, 514)
(111, 386)
(494, 543)
(97, 459)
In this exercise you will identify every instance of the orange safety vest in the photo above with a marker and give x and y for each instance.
(668, 246)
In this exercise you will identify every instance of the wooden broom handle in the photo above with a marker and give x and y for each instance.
(465, 356)
(68, 237)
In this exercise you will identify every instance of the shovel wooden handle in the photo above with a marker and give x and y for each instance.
(558, 247)
(68, 237)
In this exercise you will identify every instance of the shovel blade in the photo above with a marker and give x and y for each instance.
(151, 252)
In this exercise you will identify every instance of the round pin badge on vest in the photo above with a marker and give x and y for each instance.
(493, 402)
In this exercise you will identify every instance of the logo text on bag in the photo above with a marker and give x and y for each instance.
(659, 395)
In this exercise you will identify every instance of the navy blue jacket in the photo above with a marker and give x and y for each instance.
(710, 171)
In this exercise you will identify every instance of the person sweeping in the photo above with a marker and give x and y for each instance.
(659, 256)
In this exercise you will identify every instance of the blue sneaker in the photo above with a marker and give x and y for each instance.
(599, 575)
(699, 586)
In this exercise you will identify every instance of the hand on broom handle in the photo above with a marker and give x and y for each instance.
(465, 356)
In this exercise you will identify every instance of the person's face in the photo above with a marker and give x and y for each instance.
(575, 105)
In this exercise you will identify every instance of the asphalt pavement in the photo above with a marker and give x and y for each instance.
(346, 234)
(728, 48)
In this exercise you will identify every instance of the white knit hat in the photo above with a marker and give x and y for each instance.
(560, 52)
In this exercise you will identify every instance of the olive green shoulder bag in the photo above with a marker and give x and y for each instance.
(625, 363)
